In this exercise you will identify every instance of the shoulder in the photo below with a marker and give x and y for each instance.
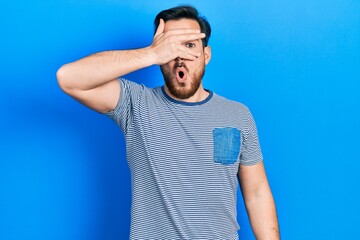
(230, 104)
(132, 86)
(127, 84)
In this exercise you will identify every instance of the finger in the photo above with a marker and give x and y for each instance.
(182, 31)
(186, 53)
(160, 28)
(186, 56)
(190, 37)
(193, 52)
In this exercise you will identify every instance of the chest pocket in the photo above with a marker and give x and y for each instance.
(226, 145)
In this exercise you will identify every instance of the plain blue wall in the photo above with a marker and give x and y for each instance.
(295, 64)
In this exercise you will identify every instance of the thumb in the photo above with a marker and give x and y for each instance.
(160, 28)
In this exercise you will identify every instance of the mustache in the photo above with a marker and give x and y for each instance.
(180, 64)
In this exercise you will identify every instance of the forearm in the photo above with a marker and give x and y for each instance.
(263, 218)
(100, 68)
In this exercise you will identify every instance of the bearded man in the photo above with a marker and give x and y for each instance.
(187, 147)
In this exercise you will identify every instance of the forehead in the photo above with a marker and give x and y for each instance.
(181, 24)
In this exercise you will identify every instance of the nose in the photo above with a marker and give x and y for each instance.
(179, 60)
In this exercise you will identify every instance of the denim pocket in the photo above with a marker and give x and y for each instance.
(226, 145)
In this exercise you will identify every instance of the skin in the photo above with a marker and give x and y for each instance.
(259, 201)
(193, 68)
(93, 81)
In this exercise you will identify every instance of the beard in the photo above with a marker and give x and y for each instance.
(182, 90)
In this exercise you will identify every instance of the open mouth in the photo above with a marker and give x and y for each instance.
(181, 74)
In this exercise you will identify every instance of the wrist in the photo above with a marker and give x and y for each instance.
(150, 55)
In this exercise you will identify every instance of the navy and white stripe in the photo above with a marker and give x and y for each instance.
(178, 190)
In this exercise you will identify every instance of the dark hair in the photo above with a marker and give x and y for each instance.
(188, 12)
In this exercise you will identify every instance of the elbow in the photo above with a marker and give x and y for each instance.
(63, 78)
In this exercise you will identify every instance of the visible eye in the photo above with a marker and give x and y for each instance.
(190, 45)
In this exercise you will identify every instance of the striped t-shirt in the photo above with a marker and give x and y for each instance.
(184, 159)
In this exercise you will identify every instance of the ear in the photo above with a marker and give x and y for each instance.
(207, 54)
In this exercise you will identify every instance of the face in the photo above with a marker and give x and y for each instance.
(183, 77)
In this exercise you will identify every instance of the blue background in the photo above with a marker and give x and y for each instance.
(295, 64)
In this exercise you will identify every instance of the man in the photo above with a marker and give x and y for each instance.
(187, 147)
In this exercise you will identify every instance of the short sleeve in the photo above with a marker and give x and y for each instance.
(250, 147)
(128, 103)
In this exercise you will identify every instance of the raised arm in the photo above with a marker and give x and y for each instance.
(259, 202)
(92, 80)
